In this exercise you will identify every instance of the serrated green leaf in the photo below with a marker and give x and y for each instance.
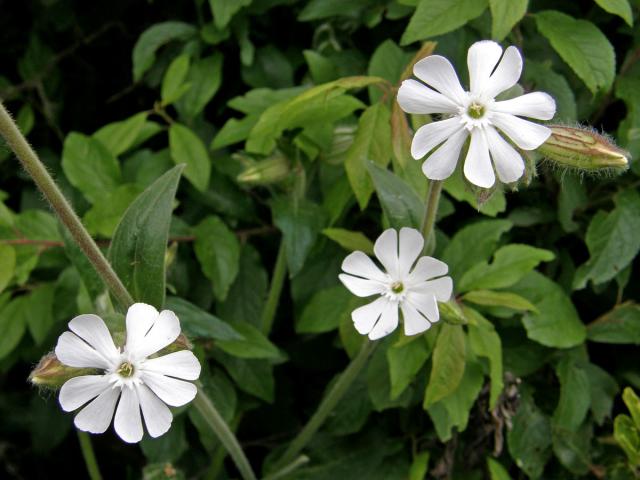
(186, 147)
(582, 45)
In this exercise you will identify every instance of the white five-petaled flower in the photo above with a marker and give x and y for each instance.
(475, 113)
(129, 374)
(416, 291)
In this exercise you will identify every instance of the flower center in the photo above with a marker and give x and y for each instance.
(476, 110)
(397, 287)
(125, 370)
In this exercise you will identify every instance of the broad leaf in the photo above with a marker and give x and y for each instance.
(505, 14)
(448, 364)
(620, 325)
(187, 148)
(350, 240)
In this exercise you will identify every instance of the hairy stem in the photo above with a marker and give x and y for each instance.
(275, 289)
(430, 212)
(225, 435)
(38, 172)
(327, 404)
(89, 456)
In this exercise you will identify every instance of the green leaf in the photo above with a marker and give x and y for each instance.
(186, 147)
(119, 137)
(252, 376)
(510, 264)
(350, 240)
(572, 196)
(489, 298)
(139, 244)
(40, 312)
(582, 45)
(458, 188)
(544, 78)
(197, 323)
(300, 223)
(448, 364)
(572, 448)
(167, 448)
(628, 90)
(372, 144)
(13, 323)
(435, 17)
(505, 14)
(419, 466)
(322, 69)
(632, 402)
(173, 83)
(400, 203)
(154, 37)
(618, 7)
(575, 394)
(627, 436)
(485, 342)
(388, 61)
(620, 325)
(90, 278)
(612, 239)
(473, 244)
(90, 166)
(529, 440)
(205, 78)
(405, 361)
(104, 216)
(218, 252)
(224, 10)
(496, 470)
(603, 391)
(253, 344)
(326, 309)
(7, 265)
(556, 322)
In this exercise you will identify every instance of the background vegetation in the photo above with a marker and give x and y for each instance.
(114, 94)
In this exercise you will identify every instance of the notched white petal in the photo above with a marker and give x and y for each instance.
(441, 163)
(477, 165)
(482, 58)
(361, 287)
(386, 250)
(72, 351)
(414, 322)
(359, 264)
(79, 390)
(128, 423)
(437, 72)
(433, 134)
(506, 74)
(96, 417)
(411, 243)
(507, 160)
(538, 105)
(414, 97)
(182, 364)
(140, 318)
(365, 317)
(163, 332)
(170, 390)
(157, 416)
(387, 323)
(426, 268)
(526, 135)
(92, 329)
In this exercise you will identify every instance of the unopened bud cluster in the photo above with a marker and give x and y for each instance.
(583, 149)
(270, 170)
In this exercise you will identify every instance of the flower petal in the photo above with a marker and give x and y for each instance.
(477, 165)
(92, 329)
(411, 243)
(386, 249)
(441, 163)
(537, 105)
(157, 416)
(72, 351)
(442, 288)
(182, 364)
(425, 303)
(170, 390)
(96, 417)
(526, 135)
(359, 264)
(79, 390)
(361, 286)
(140, 318)
(508, 162)
(365, 317)
(388, 321)
(482, 58)
(128, 423)
(426, 268)
(414, 322)
(414, 97)
(506, 74)
(433, 134)
(437, 72)
(164, 331)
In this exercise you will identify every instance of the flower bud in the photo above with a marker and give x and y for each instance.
(50, 372)
(452, 313)
(583, 149)
(267, 171)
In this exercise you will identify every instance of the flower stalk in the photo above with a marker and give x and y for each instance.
(430, 213)
(275, 289)
(89, 456)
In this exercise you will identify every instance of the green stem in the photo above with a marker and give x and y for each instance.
(293, 466)
(46, 184)
(34, 167)
(275, 289)
(328, 403)
(89, 456)
(225, 435)
(430, 213)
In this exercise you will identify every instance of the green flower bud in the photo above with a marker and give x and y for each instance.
(583, 149)
(268, 171)
(52, 374)
(452, 313)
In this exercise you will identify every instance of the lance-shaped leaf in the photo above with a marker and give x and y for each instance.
(139, 243)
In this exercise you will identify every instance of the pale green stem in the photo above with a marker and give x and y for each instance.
(38, 172)
(328, 404)
(275, 289)
(46, 184)
(89, 456)
(430, 213)
(225, 435)
(293, 466)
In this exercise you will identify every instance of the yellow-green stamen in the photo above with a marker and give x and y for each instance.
(125, 370)
(476, 110)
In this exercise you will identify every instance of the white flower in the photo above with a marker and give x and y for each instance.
(415, 291)
(475, 113)
(129, 374)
